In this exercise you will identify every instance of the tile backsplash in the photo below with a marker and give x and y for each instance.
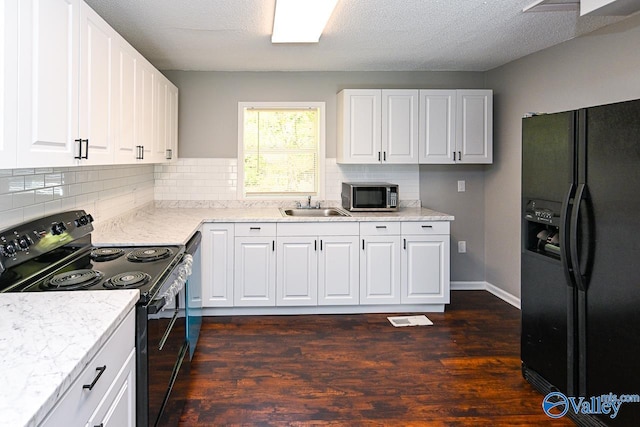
(103, 191)
(108, 191)
(217, 179)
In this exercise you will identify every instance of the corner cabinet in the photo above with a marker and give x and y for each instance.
(377, 126)
(84, 99)
(406, 126)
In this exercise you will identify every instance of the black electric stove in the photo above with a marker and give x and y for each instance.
(55, 254)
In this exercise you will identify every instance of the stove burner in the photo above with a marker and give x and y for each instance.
(106, 254)
(149, 254)
(72, 280)
(131, 279)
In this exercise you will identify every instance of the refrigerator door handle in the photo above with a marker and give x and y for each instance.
(573, 236)
(565, 238)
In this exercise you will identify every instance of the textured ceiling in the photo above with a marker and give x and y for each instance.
(362, 35)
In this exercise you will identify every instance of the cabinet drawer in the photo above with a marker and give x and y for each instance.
(255, 229)
(425, 227)
(379, 228)
(78, 403)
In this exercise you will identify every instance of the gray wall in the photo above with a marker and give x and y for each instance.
(209, 100)
(439, 191)
(599, 68)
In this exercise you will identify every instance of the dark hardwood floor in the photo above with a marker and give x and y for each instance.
(349, 370)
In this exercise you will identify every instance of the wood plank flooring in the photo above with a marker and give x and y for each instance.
(352, 370)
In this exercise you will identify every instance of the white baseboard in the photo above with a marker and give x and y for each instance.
(486, 286)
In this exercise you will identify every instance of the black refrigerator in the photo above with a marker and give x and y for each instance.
(580, 264)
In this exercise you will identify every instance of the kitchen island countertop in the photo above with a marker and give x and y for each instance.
(46, 340)
(166, 226)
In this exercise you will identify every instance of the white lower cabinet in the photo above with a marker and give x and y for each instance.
(317, 264)
(425, 263)
(380, 263)
(105, 391)
(217, 265)
(255, 265)
(324, 264)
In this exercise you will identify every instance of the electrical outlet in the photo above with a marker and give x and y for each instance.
(462, 246)
(461, 186)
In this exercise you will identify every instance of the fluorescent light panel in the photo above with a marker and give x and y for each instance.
(301, 21)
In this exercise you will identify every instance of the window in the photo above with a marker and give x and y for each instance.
(281, 149)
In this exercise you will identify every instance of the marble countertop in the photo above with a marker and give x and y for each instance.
(169, 225)
(46, 340)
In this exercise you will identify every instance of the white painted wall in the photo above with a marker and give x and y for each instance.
(599, 68)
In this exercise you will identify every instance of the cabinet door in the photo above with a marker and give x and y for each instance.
(437, 126)
(98, 87)
(118, 408)
(359, 127)
(400, 126)
(380, 270)
(48, 63)
(172, 148)
(126, 59)
(255, 271)
(338, 271)
(425, 269)
(145, 110)
(160, 140)
(217, 265)
(474, 134)
(8, 82)
(297, 271)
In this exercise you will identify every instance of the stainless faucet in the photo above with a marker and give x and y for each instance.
(308, 205)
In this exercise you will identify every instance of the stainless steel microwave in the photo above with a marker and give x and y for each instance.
(369, 196)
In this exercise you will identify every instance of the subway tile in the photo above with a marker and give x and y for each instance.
(11, 217)
(43, 195)
(33, 211)
(52, 207)
(20, 172)
(52, 179)
(6, 202)
(23, 198)
(11, 184)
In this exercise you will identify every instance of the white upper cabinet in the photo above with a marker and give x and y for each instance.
(456, 126)
(437, 126)
(99, 84)
(377, 126)
(85, 96)
(48, 90)
(399, 126)
(474, 126)
(8, 82)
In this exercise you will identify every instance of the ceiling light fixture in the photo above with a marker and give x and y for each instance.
(553, 6)
(301, 21)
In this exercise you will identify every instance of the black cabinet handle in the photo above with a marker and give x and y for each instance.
(454, 156)
(273, 245)
(404, 245)
(86, 146)
(378, 156)
(381, 226)
(384, 156)
(100, 371)
(99, 425)
(427, 226)
(315, 245)
(320, 244)
(168, 154)
(459, 155)
(363, 244)
(254, 228)
(79, 156)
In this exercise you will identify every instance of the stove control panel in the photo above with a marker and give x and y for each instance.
(34, 238)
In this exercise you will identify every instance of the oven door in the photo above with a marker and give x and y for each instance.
(168, 364)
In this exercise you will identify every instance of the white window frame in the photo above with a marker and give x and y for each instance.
(320, 106)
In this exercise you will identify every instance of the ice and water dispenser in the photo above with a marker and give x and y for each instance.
(542, 227)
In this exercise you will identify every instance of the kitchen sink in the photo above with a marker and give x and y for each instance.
(311, 212)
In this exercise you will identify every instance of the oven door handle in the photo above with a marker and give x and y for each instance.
(156, 305)
(166, 334)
